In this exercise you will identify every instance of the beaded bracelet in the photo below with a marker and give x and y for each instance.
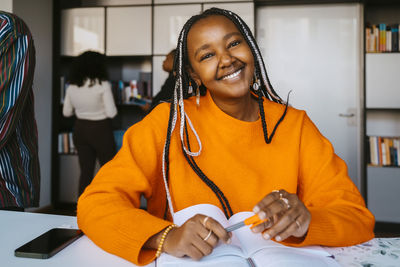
(160, 245)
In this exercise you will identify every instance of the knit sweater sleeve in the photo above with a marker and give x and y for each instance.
(338, 213)
(108, 210)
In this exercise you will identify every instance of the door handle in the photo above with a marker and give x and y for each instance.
(346, 115)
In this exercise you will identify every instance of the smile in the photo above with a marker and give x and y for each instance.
(233, 75)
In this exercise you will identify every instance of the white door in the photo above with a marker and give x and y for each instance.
(316, 51)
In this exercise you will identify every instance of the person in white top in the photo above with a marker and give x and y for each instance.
(89, 98)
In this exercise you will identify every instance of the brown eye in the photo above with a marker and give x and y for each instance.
(208, 55)
(234, 43)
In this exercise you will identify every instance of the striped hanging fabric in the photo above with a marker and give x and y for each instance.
(19, 161)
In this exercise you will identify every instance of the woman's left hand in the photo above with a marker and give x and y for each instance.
(287, 216)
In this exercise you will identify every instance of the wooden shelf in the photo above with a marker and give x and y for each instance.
(383, 109)
(379, 166)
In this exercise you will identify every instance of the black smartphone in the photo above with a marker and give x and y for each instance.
(48, 244)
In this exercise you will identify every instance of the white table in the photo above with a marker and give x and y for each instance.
(17, 228)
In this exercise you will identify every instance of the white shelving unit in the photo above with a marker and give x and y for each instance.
(382, 80)
(82, 29)
(128, 31)
(383, 119)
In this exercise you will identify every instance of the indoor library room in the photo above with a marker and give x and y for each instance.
(188, 133)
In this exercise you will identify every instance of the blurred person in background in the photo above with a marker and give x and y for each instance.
(90, 98)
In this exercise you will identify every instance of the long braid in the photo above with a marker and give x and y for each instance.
(178, 92)
(165, 168)
(217, 191)
(189, 158)
(223, 200)
(260, 101)
(181, 61)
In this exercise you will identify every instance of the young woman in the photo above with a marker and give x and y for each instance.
(89, 97)
(239, 146)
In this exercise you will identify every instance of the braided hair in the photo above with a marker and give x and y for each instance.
(183, 89)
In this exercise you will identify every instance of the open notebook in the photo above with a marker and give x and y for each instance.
(246, 248)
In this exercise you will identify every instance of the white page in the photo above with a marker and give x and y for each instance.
(231, 254)
(252, 242)
(269, 253)
(216, 213)
(284, 257)
(244, 244)
(212, 260)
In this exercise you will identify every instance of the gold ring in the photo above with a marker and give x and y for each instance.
(297, 223)
(286, 201)
(205, 221)
(208, 236)
(280, 194)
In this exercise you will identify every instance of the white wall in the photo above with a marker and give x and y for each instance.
(37, 15)
(6, 5)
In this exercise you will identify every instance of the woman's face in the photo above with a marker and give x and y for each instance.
(220, 58)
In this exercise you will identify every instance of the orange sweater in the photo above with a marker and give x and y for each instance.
(236, 157)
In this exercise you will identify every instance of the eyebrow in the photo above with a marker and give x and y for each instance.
(205, 46)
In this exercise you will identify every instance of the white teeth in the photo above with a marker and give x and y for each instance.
(233, 75)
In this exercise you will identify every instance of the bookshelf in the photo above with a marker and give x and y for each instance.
(91, 25)
(135, 36)
(382, 118)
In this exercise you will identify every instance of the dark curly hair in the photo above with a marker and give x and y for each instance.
(88, 65)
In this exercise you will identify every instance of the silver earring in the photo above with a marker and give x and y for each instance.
(198, 96)
(190, 89)
(256, 84)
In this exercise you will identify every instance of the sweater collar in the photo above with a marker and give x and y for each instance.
(209, 104)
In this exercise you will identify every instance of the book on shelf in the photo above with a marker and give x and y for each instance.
(384, 151)
(247, 248)
(388, 39)
(382, 38)
(66, 143)
(395, 37)
(376, 38)
(373, 151)
(384, 154)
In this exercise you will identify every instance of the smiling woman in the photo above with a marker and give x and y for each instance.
(234, 147)
(222, 61)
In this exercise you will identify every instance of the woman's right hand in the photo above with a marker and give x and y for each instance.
(196, 238)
